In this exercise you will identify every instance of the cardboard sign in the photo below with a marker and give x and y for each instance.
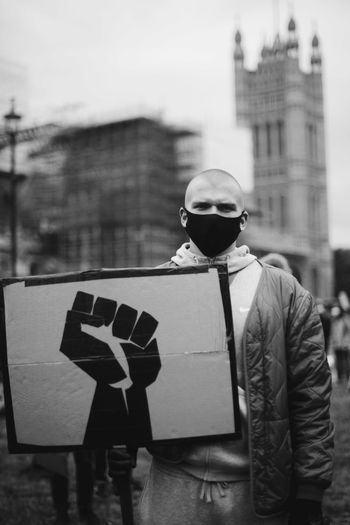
(110, 357)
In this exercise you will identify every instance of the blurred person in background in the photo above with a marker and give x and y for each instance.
(57, 466)
(277, 260)
(339, 342)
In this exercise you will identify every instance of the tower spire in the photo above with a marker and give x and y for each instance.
(292, 45)
(316, 59)
(238, 53)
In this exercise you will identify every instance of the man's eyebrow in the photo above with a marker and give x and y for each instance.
(201, 203)
(232, 205)
(220, 204)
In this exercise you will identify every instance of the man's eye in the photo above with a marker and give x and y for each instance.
(202, 206)
(226, 208)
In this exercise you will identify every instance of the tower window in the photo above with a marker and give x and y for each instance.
(256, 141)
(315, 280)
(268, 139)
(315, 141)
(283, 212)
(270, 207)
(309, 139)
(259, 204)
(280, 130)
(311, 133)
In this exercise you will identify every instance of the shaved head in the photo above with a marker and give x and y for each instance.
(214, 179)
(214, 195)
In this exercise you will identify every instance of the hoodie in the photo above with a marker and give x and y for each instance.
(222, 461)
(236, 260)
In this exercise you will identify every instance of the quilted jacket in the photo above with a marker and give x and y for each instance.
(288, 386)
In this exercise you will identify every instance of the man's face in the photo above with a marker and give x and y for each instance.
(223, 198)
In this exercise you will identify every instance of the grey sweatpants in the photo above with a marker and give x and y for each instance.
(173, 497)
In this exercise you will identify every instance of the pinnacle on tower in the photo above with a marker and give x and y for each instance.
(292, 45)
(291, 25)
(316, 59)
(315, 41)
(238, 54)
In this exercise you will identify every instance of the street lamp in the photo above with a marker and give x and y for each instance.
(11, 127)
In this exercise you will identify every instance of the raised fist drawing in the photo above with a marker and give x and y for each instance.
(116, 347)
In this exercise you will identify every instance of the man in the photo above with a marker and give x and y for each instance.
(280, 468)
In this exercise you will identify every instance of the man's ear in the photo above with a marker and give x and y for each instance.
(244, 220)
(183, 216)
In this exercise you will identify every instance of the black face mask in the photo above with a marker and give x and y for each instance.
(212, 234)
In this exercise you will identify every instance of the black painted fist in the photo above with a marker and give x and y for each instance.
(94, 354)
(116, 347)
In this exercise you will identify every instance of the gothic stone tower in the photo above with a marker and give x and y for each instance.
(283, 108)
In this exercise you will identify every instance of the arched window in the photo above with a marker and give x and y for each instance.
(314, 280)
(280, 131)
(270, 206)
(283, 212)
(268, 139)
(256, 141)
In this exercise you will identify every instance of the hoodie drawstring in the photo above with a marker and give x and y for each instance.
(207, 487)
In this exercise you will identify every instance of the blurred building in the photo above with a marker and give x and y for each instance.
(107, 195)
(283, 107)
(123, 185)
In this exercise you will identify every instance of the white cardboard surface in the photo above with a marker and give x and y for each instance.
(51, 396)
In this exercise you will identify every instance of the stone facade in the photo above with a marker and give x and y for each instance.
(283, 107)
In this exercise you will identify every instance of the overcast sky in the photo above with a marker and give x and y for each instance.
(110, 58)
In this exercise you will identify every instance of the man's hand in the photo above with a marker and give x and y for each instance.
(307, 512)
(120, 461)
(90, 332)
